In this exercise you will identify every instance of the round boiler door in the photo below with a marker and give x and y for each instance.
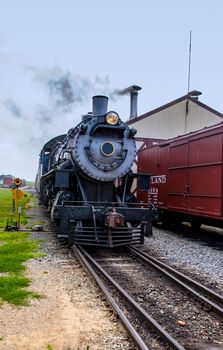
(107, 148)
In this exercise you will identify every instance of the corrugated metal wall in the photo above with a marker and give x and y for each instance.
(178, 119)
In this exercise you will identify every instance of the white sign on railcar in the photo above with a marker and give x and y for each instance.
(158, 179)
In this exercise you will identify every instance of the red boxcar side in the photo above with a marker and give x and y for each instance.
(187, 176)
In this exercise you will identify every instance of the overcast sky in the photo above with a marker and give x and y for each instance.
(95, 47)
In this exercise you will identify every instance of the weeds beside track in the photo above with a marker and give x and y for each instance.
(15, 248)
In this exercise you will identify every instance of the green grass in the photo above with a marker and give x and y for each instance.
(49, 347)
(15, 249)
(12, 290)
(30, 183)
(6, 207)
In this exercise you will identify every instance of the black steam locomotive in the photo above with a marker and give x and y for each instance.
(85, 180)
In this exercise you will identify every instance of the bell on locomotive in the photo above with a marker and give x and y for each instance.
(88, 182)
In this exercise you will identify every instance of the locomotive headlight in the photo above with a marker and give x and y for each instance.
(112, 118)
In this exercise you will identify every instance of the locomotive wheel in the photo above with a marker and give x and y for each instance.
(148, 228)
(71, 231)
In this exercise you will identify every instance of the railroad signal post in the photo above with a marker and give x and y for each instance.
(16, 195)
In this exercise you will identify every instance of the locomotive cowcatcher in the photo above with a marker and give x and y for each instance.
(85, 180)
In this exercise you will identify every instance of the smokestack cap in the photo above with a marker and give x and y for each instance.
(135, 88)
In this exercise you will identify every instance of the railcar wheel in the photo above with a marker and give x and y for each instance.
(196, 225)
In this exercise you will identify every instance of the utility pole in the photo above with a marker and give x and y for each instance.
(189, 65)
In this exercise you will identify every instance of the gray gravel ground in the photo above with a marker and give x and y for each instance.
(195, 256)
(71, 312)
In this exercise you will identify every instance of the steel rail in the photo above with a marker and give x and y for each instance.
(212, 294)
(130, 329)
(182, 281)
(153, 323)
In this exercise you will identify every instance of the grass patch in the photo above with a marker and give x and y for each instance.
(30, 183)
(15, 250)
(6, 207)
(12, 290)
(49, 347)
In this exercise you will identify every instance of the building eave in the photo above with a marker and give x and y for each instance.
(167, 105)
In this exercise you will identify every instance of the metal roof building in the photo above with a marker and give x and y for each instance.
(178, 117)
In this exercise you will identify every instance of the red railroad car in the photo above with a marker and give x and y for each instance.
(187, 177)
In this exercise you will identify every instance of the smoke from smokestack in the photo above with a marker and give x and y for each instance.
(61, 92)
(128, 90)
(65, 89)
(13, 107)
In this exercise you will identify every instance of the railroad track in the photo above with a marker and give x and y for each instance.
(95, 266)
(207, 297)
(91, 264)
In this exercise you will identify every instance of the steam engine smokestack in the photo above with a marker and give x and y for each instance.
(100, 105)
(134, 101)
(133, 91)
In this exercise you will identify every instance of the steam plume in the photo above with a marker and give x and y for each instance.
(64, 89)
(13, 107)
(128, 90)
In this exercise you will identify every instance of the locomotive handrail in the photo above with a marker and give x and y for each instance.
(49, 173)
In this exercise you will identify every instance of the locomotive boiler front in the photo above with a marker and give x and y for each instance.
(104, 147)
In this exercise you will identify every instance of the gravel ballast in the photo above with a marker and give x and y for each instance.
(71, 314)
(196, 257)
